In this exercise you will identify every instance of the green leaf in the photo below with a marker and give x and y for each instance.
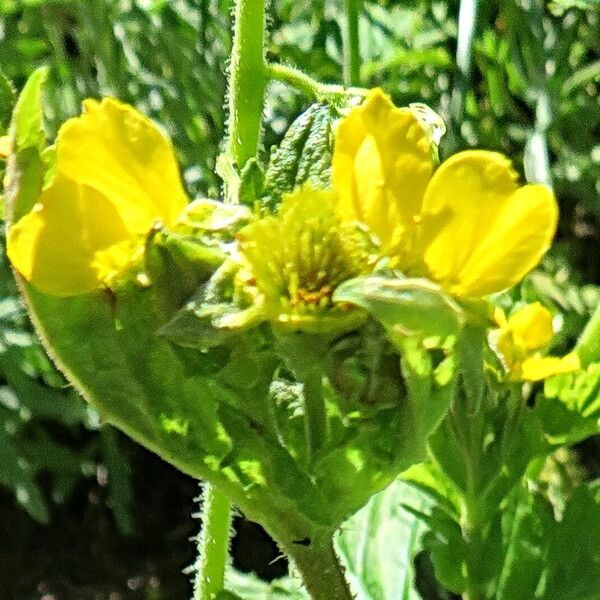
(120, 490)
(17, 473)
(527, 524)
(482, 450)
(573, 559)
(304, 155)
(7, 101)
(246, 586)
(405, 307)
(569, 409)
(504, 436)
(561, 6)
(378, 544)
(548, 559)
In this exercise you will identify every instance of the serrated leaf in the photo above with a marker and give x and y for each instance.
(570, 406)
(303, 156)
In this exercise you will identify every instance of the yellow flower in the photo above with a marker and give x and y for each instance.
(115, 176)
(468, 226)
(5, 146)
(519, 340)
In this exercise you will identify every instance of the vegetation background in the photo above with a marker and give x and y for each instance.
(85, 514)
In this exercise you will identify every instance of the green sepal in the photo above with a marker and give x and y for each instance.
(304, 155)
(252, 183)
(218, 310)
(386, 435)
(27, 124)
(241, 187)
(26, 166)
(206, 215)
(405, 307)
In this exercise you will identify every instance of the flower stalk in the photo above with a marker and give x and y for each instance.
(351, 42)
(311, 87)
(213, 544)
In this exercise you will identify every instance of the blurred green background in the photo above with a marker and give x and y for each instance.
(85, 513)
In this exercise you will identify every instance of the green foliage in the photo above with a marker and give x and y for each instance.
(570, 406)
(527, 76)
(304, 154)
(7, 100)
(241, 586)
(481, 451)
(168, 58)
(378, 544)
(406, 307)
(549, 558)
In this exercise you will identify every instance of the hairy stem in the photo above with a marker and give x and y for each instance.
(248, 80)
(309, 86)
(352, 43)
(313, 555)
(213, 544)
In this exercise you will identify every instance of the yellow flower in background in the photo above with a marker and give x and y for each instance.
(5, 146)
(116, 175)
(468, 226)
(519, 340)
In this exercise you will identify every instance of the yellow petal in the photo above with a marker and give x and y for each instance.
(542, 367)
(483, 233)
(381, 165)
(5, 146)
(72, 242)
(117, 151)
(531, 327)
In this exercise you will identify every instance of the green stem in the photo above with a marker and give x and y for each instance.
(466, 421)
(471, 526)
(588, 345)
(248, 80)
(309, 86)
(315, 415)
(351, 41)
(313, 555)
(213, 544)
